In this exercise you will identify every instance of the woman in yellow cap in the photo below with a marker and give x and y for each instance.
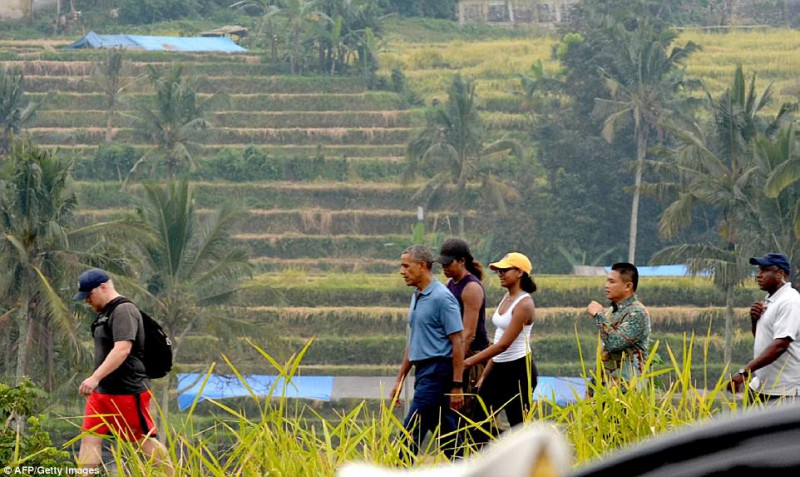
(510, 375)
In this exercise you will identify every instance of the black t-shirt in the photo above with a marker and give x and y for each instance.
(124, 324)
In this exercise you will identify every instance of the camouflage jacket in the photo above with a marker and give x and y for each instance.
(625, 333)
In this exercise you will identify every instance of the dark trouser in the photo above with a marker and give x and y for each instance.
(507, 387)
(767, 398)
(430, 408)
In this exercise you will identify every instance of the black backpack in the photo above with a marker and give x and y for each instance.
(157, 352)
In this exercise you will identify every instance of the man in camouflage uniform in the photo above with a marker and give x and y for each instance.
(625, 329)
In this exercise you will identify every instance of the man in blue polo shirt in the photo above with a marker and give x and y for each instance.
(436, 351)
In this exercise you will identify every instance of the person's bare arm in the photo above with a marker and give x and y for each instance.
(767, 357)
(457, 393)
(405, 367)
(472, 297)
(114, 360)
(523, 313)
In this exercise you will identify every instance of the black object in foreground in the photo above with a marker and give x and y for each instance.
(766, 439)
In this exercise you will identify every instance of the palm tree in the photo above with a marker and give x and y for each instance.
(299, 15)
(191, 264)
(109, 76)
(174, 123)
(38, 249)
(778, 220)
(16, 110)
(714, 166)
(268, 9)
(643, 82)
(451, 144)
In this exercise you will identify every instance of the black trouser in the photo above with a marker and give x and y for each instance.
(767, 398)
(508, 386)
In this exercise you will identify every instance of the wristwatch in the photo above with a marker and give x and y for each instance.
(457, 384)
(743, 372)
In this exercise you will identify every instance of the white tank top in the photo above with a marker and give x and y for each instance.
(519, 347)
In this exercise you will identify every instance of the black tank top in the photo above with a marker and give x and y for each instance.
(481, 340)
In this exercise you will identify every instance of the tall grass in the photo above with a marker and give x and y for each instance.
(287, 437)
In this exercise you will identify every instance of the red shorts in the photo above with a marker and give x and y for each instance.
(130, 418)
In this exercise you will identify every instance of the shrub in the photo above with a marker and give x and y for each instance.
(111, 162)
(151, 11)
(33, 446)
(422, 8)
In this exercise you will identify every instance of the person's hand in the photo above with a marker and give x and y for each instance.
(478, 384)
(756, 310)
(468, 364)
(88, 385)
(594, 308)
(737, 383)
(394, 394)
(456, 399)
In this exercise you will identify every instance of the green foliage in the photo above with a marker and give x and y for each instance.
(16, 109)
(291, 437)
(421, 8)
(294, 246)
(244, 165)
(151, 11)
(35, 213)
(190, 266)
(367, 101)
(355, 290)
(31, 446)
(110, 162)
(42, 250)
(175, 123)
(451, 150)
(336, 196)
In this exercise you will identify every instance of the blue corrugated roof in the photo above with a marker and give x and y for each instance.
(157, 43)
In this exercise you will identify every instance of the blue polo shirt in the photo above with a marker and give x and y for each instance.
(434, 315)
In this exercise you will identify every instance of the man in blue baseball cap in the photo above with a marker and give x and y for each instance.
(117, 392)
(775, 322)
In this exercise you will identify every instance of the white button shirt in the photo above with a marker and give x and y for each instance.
(781, 319)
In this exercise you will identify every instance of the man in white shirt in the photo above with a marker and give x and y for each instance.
(775, 368)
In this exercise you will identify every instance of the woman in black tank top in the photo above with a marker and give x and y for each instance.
(465, 276)
(462, 269)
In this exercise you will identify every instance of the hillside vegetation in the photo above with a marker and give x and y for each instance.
(328, 200)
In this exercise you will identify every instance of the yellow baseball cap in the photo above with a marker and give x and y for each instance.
(513, 260)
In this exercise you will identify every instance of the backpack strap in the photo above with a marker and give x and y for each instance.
(108, 310)
(142, 420)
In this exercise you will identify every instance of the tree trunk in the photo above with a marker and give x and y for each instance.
(58, 17)
(22, 351)
(47, 333)
(273, 42)
(109, 123)
(641, 151)
(24, 341)
(164, 405)
(295, 48)
(729, 317)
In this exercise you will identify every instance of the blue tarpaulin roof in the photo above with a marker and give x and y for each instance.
(562, 390)
(220, 387)
(157, 43)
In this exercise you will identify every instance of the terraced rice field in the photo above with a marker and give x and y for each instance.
(326, 252)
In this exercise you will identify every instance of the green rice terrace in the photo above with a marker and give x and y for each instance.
(329, 215)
